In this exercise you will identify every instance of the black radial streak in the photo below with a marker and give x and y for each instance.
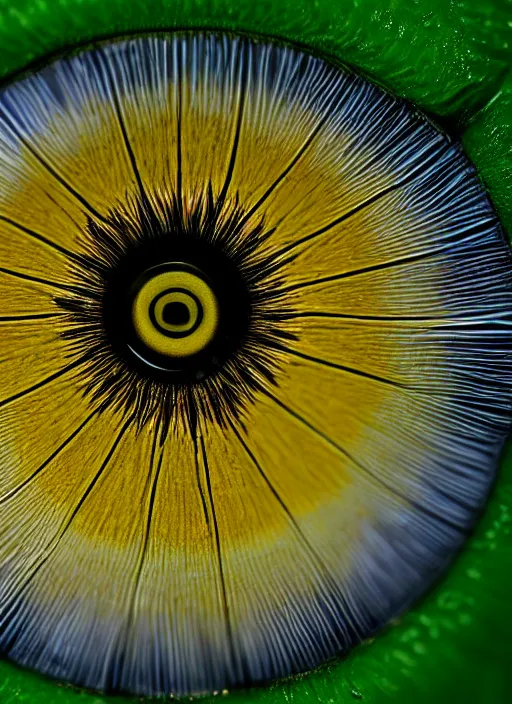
(283, 175)
(341, 367)
(236, 139)
(309, 548)
(29, 316)
(225, 604)
(363, 270)
(179, 156)
(40, 238)
(43, 382)
(151, 509)
(52, 171)
(37, 280)
(124, 132)
(352, 459)
(387, 318)
(198, 478)
(116, 668)
(423, 256)
(48, 461)
(151, 463)
(98, 474)
(64, 211)
(291, 165)
(356, 209)
(402, 182)
(260, 469)
(48, 551)
(373, 199)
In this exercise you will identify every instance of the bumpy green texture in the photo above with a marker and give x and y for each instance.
(488, 142)
(451, 58)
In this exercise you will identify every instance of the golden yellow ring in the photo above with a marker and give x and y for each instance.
(155, 289)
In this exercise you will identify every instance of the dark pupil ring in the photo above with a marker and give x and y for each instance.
(176, 308)
(176, 313)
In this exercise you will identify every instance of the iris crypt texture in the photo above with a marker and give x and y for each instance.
(255, 345)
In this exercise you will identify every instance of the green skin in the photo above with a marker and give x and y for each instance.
(452, 59)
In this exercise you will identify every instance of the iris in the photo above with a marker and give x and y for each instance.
(97, 348)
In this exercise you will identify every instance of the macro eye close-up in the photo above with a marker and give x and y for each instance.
(255, 351)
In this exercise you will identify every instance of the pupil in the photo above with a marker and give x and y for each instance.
(176, 313)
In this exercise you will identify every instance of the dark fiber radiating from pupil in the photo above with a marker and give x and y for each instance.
(176, 313)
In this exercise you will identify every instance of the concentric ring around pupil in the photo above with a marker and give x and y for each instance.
(175, 312)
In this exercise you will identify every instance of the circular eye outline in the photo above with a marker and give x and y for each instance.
(411, 641)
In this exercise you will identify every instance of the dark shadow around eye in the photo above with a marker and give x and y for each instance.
(255, 337)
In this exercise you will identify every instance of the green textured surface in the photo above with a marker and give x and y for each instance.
(488, 142)
(445, 56)
(450, 58)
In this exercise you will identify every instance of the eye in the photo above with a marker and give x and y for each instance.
(136, 283)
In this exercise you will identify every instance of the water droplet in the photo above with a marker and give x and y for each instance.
(474, 573)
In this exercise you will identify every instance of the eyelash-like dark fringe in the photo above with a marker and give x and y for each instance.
(158, 221)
